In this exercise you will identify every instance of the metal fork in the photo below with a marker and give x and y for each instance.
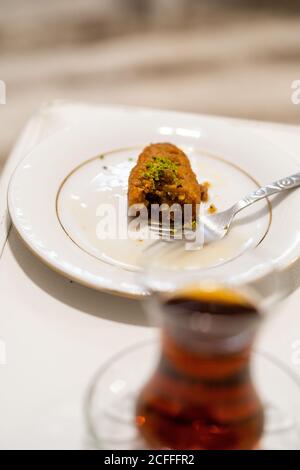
(216, 226)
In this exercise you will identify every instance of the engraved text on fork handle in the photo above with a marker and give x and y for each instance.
(268, 190)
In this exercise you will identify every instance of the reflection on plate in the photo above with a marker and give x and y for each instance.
(56, 191)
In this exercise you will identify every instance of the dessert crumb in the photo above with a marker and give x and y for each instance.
(212, 209)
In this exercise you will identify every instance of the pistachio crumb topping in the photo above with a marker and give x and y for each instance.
(161, 168)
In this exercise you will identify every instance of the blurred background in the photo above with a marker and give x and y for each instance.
(226, 57)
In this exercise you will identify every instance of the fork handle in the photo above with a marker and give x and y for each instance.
(283, 184)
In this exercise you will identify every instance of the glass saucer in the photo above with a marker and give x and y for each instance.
(111, 398)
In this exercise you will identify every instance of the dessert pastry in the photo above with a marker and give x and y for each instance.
(163, 175)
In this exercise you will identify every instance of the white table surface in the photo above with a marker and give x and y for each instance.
(57, 333)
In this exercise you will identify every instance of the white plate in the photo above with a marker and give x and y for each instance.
(56, 190)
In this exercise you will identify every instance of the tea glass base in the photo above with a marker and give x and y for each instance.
(110, 404)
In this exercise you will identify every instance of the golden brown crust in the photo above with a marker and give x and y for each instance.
(163, 175)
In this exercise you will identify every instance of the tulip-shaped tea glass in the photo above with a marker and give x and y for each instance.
(199, 385)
